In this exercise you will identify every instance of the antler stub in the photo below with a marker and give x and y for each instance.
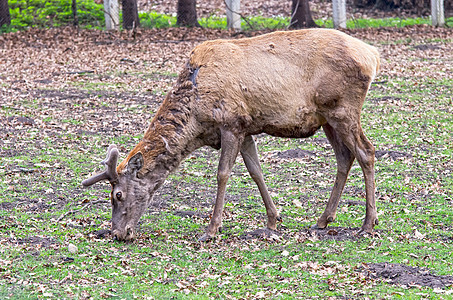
(110, 168)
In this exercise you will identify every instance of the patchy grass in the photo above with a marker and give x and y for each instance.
(55, 132)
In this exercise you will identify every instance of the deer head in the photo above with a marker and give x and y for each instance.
(131, 192)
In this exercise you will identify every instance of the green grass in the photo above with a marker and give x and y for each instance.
(38, 13)
(410, 115)
(166, 261)
(156, 20)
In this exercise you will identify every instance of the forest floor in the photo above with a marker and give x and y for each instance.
(66, 94)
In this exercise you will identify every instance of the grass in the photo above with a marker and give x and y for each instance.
(408, 115)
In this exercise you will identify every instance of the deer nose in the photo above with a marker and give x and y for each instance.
(130, 234)
(124, 235)
(118, 235)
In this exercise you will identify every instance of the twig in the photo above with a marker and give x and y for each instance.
(115, 24)
(177, 41)
(81, 72)
(293, 14)
(82, 208)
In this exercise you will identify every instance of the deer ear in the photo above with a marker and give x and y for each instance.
(135, 163)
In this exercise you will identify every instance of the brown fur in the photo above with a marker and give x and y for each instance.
(286, 84)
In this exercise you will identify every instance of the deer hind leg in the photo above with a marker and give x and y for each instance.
(230, 148)
(250, 156)
(344, 162)
(349, 130)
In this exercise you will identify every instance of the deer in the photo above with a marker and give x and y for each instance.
(285, 84)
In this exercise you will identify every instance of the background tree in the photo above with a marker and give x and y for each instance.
(75, 18)
(301, 15)
(187, 13)
(130, 14)
(5, 17)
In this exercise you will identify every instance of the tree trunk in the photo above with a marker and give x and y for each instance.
(187, 13)
(301, 15)
(5, 17)
(130, 14)
(75, 18)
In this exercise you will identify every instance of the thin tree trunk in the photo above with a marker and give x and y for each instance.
(75, 17)
(130, 14)
(301, 15)
(187, 13)
(5, 17)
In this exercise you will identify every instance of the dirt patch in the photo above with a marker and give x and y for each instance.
(424, 47)
(34, 240)
(190, 214)
(353, 202)
(335, 233)
(385, 99)
(102, 233)
(406, 275)
(261, 233)
(16, 120)
(294, 153)
(392, 154)
(6, 205)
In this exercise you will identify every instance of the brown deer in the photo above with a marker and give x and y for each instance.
(285, 84)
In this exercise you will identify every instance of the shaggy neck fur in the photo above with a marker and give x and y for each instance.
(171, 136)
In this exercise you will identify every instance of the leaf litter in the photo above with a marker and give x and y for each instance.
(76, 89)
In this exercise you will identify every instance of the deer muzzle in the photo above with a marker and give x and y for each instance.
(127, 234)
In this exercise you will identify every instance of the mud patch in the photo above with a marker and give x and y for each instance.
(294, 153)
(406, 275)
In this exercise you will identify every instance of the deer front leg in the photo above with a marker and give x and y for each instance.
(230, 148)
(250, 156)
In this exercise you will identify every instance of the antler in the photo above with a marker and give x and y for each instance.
(110, 168)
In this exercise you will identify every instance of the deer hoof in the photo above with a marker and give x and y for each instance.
(204, 238)
(365, 230)
(365, 233)
(315, 227)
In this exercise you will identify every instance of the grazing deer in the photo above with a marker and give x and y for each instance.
(285, 84)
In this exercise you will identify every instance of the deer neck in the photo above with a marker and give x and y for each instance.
(172, 134)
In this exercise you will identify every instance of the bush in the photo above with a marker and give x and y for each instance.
(40, 13)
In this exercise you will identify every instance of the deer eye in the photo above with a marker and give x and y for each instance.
(118, 196)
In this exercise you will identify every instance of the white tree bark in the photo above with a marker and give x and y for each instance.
(232, 13)
(437, 12)
(111, 14)
(339, 13)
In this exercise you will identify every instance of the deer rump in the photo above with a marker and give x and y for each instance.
(286, 84)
